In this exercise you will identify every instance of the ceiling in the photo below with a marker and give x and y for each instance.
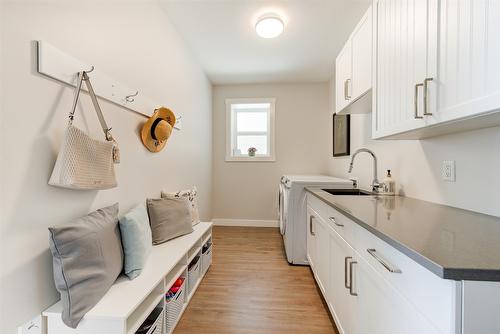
(221, 35)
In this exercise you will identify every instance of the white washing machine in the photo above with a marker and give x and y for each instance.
(293, 207)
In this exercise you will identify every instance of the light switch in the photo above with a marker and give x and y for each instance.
(448, 170)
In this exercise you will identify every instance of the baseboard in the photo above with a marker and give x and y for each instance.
(245, 222)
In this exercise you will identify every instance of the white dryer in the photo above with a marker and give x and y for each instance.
(293, 207)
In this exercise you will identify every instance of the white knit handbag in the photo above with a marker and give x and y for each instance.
(84, 163)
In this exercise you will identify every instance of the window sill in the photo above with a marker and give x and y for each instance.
(250, 159)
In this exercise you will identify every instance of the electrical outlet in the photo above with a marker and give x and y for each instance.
(31, 327)
(448, 170)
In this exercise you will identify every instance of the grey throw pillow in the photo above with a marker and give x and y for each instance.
(191, 195)
(87, 258)
(169, 218)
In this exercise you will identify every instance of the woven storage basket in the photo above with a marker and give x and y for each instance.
(206, 259)
(194, 274)
(157, 326)
(173, 308)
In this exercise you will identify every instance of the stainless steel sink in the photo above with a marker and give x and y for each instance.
(349, 192)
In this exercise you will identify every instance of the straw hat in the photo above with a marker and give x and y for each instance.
(158, 129)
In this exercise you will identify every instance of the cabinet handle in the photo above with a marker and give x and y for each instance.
(426, 102)
(311, 225)
(351, 292)
(346, 89)
(415, 100)
(346, 282)
(390, 268)
(332, 219)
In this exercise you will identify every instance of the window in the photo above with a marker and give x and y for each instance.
(250, 124)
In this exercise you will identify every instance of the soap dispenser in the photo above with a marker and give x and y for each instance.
(389, 184)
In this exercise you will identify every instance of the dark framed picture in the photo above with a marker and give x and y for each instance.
(341, 135)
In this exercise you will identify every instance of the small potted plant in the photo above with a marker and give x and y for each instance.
(251, 151)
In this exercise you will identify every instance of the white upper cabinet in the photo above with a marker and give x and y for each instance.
(437, 65)
(405, 56)
(361, 46)
(343, 71)
(469, 59)
(353, 68)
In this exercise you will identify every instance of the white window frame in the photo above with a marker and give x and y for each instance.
(231, 126)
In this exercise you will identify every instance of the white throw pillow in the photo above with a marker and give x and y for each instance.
(190, 194)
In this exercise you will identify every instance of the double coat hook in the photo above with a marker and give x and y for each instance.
(129, 98)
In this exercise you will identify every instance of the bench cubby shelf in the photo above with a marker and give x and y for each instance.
(128, 302)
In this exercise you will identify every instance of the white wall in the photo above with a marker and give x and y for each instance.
(304, 145)
(249, 190)
(132, 42)
(416, 165)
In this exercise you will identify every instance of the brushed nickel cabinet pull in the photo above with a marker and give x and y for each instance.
(333, 220)
(311, 225)
(346, 282)
(390, 268)
(351, 292)
(415, 100)
(426, 102)
(347, 82)
(345, 90)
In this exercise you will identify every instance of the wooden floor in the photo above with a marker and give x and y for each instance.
(251, 288)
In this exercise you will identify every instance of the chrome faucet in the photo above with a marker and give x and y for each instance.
(376, 185)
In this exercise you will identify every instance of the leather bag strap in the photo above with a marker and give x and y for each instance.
(82, 76)
(75, 99)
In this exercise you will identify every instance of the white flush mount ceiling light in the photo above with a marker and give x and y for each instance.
(269, 26)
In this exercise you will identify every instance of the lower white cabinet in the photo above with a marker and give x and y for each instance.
(340, 301)
(379, 307)
(311, 239)
(317, 249)
(372, 288)
(362, 301)
(322, 255)
(364, 296)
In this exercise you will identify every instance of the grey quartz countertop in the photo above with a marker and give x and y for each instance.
(453, 243)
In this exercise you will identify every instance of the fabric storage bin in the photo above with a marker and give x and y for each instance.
(154, 322)
(173, 308)
(193, 273)
(206, 257)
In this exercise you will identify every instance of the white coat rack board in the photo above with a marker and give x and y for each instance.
(60, 66)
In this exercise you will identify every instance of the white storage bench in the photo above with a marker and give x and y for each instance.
(129, 302)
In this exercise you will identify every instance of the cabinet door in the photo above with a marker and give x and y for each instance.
(469, 59)
(322, 255)
(343, 79)
(380, 309)
(361, 44)
(406, 54)
(311, 238)
(341, 302)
